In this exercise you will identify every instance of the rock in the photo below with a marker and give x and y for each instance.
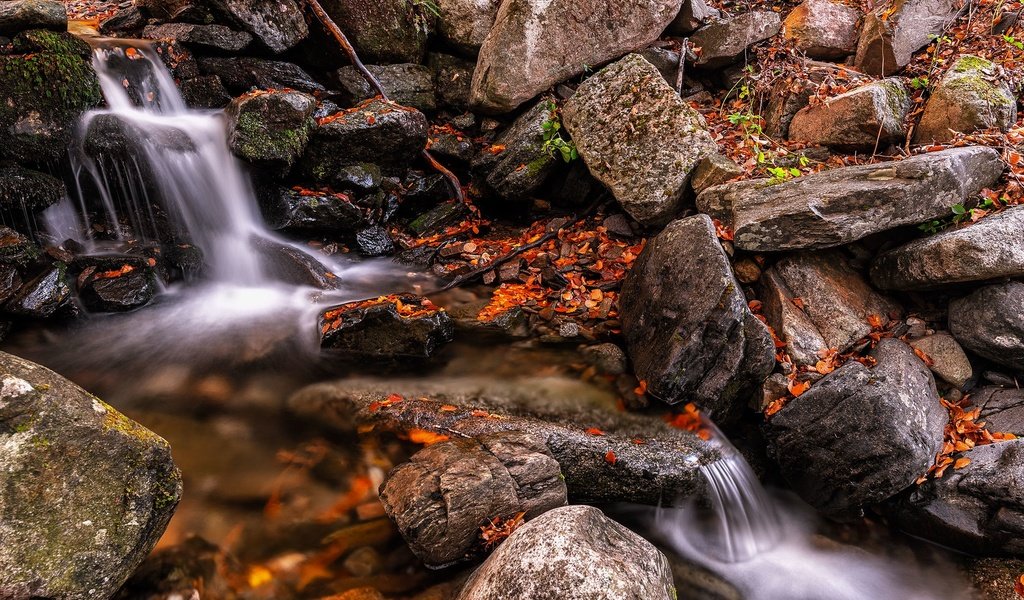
(276, 24)
(37, 125)
(895, 30)
(949, 361)
(10, 281)
(725, 41)
(308, 210)
(442, 215)
(26, 192)
(1002, 409)
(572, 552)
(977, 509)
(243, 74)
(993, 578)
(989, 249)
(523, 144)
(861, 456)
(607, 358)
(970, 97)
(824, 29)
(836, 301)
(688, 330)
(109, 488)
(579, 423)
(374, 241)
(786, 98)
(868, 117)
(842, 205)
(453, 77)
(382, 31)
(441, 496)
(376, 132)
(406, 84)
(42, 296)
(638, 137)
(216, 37)
(181, 571)
(205, 92)
(125, 20)
(16, 248)
(19, 15)
(270, 129)
(117, 284)
(990, 323)
(464, 24)
(388, 327)
(536, 44)
(693, 15)
(714, 169)
(289, 263)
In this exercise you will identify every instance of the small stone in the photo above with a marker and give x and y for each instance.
(948, 359)
(374, 241)
(523, 163)
(381, 328)
(608, 358)
(693, 15)
(714, 169)
(747, 271)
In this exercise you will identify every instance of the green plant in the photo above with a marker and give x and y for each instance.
(960, 214)
(428, 5)
(555, 143)
(1010, 40)
(919, 83)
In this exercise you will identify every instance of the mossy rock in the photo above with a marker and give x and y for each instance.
(28, 191)
(270, 129)
(972, 96)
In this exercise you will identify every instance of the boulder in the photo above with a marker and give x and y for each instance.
(970, 97)
(464, 24)
(289, 263)
(989, 249)
(309, 210)
(190, 569)
(948, 360)
(276, 24)
(87, 492)
(638, 137)
(536, 44)
(406, 84)
(521, 144)
(441, 496)
(714, 169)
(15, 248)
(843, 205)
(725, 41)
(205, 92)
(990, 323)
(688, 330)
(382, 31)
(19, 15)
(692, 16)
(374, 241)
(824, 29)
(42, 296)
(243, 74)
(866, 118)
(26, 192)
(116, 284)
(977, 509)
(606, 454)
(215, 37)
(387, 327)
(895, 30)
(868, 432)
(572, 552)
(270, 129)
(126, 20)
(10, 281)
(453, 78)
(1002, 409)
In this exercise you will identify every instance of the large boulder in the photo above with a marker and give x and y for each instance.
(464, 24)
(24, 191)
(407, 84)
(824, 29)
(687, 326)
(276, 24)
(865, 118)
(116, 283)
(1002, 409)
(638, 137)
(970, 97)
(86, 492)
(990, 323)
(243, 74)
(18, 15)
(724, 41)
(521, 144)
(383, 31)
(215, 37)
(868, 433)
(270, 129)
(989, 249)
(536, 44)
(894, 30)
(842, 205)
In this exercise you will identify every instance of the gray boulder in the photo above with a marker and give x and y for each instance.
(523, 144)
(823, 28)
(464, 24)
(692, 16)
(1002, 409)
(724, 41)
(868, 433)
(948, 360)
(86, 492)
(216, 37)
(407, 84)
(572, 553)
(536, 44)
(865, 118)
(383, 31)
(714, 169)
(638, 137)
(842, 205)
(276, 24)
(270, 129)
(688, 330)
(895, 30)
(990, 323)
(18, 15)
(970, 97)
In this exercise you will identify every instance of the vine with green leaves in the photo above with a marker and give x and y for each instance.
(555, 143)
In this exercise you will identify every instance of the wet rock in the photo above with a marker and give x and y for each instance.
(191, 569)
(16, 248)
(1002, 409)
(578, 423)
(638, 137)
(42, 296)
(894, 31)
(270, 129)
(990, 323)
(308, 210)
(725, 41)
(18, 15)
(441, 496)
(37, 125)
(464, 24)
(374, 241)
(989, 249)
(993, 578)
(382, 31)
(842, 205)
(823, 28)
(714, 169)
(406, 84)
(948, 359)
(572, 552)
(126, 20)
(607, 358)
(868, 117)
(688, 330)
(693, 15)
(216, 37)
(117, 285)
(390, 327)
(523, 144)
(970, 97)
(276, 24)
(536, 44)
(977, 509)
(376, 132)
(205, 92)
(440, 216)
(453, 77)
(87, 492)
(10, 281)
(24, 191)
(452, 146)
(243, 74)
(860, 456)
(287, 263)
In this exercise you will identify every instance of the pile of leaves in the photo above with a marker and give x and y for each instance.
(963, 433)
(409, 307)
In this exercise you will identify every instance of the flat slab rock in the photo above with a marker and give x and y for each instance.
(19, 15)
(651, 463)
(86, 492)
(843, 205)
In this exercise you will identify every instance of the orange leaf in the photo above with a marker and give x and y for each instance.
(798, 302)
(1018, 586)
(449, 408)
(641, 389)
(610, 457)
(961, 463)
(594, 431)
(927, 360)
(798, 387)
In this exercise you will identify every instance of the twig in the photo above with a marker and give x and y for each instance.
(681, 73)
(461, 279)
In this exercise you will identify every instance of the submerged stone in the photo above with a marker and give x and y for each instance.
(389, 327)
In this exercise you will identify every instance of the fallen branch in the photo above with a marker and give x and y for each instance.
(461, 279)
